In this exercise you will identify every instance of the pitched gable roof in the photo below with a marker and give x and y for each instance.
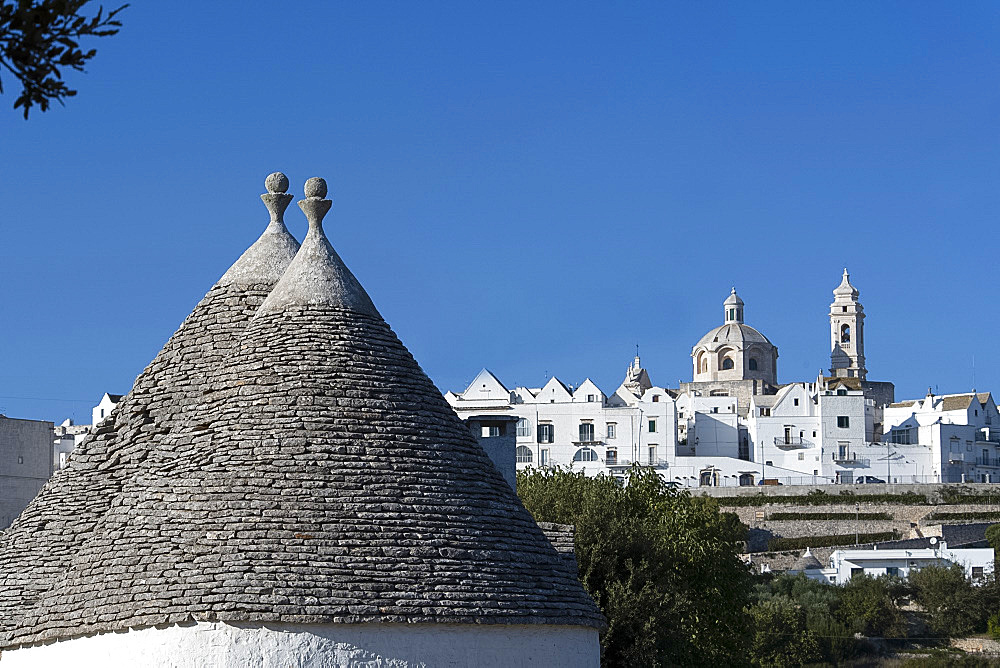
(322, 479)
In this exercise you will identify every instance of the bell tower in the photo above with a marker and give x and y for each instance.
(847, 332)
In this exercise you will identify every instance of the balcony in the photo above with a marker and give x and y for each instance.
(791, 442)
(656, 463)
(850, 459)
(987, 461)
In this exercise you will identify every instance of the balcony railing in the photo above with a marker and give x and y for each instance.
(791, 442)
(850, 459)
(657, 463)
(987, 461)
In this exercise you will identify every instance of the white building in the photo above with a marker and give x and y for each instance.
(955, 437)
(581, 427)
(733, 424)
(66, 437)
(104, 407)
(900, 561)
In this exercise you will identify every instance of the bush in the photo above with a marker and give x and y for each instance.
(970, 515)
(829, 516)
(780, 636)
(818, 497)
(867, 606)
(952, 604)
(780, 544)
(993, 626)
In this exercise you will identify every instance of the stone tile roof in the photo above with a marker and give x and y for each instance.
(42, 542)
(314, 474)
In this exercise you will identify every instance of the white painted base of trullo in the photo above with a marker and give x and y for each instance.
(320, 646)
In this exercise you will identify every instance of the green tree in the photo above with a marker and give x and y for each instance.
(867, 606)
(662, 565)
(993, 536)
(781, 636)
(952, 604)
(40, 38)
(819, 602)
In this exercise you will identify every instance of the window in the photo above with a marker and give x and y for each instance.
(841, 393)
(769, 463)
(904, 437)
(652, 455)
(843, 421)
(523, 454)
(543, 457)
(752, 365)
(715, 409)
(802, 456)
(843, 309)
(652, 426)
(977, 572)
(814, 434)
(727, 363)
(492, 431)
(523, 428)
(857, 571)
(795, 401)
(20, 460)
(611, 457)
(612, 428)
(546, 433)
(766, 412)
(585, 455)
(586, 432)
(892, 570)
(656, 398)
(845, 334)
(591, 397)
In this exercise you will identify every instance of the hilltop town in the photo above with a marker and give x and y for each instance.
(735, 425)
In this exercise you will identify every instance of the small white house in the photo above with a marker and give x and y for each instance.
(104, 407)
(846, 563)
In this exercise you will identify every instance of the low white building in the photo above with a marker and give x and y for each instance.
(580, 427)
(104, 407)
(956, 437)
(900, 561)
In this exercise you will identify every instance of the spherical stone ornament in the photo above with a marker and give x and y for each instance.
(276, 183)
(315, 187)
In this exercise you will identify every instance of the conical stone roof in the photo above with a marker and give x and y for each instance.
(40, 545)
(323, 479)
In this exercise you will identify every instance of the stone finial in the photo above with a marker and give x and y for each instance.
(275, 199)
(314, 205)
(316, 187)
(276, 183)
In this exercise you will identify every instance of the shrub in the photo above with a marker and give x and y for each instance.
(820, 498)
(867, 607)
(828, 516)
(780, 544)
(993, 626)
(952, 604)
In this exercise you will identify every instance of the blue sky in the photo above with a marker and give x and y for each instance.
(530, 187)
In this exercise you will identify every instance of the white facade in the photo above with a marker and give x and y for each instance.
(578, 427)
(845, 564)
(104, 407)
(957, 436)
(66, 437)
(734, 425)
(277, 645)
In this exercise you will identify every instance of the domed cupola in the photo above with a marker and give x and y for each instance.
(733, 307)
(734, 351)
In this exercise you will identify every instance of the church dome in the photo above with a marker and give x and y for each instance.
(736, 333)
(734, 351)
